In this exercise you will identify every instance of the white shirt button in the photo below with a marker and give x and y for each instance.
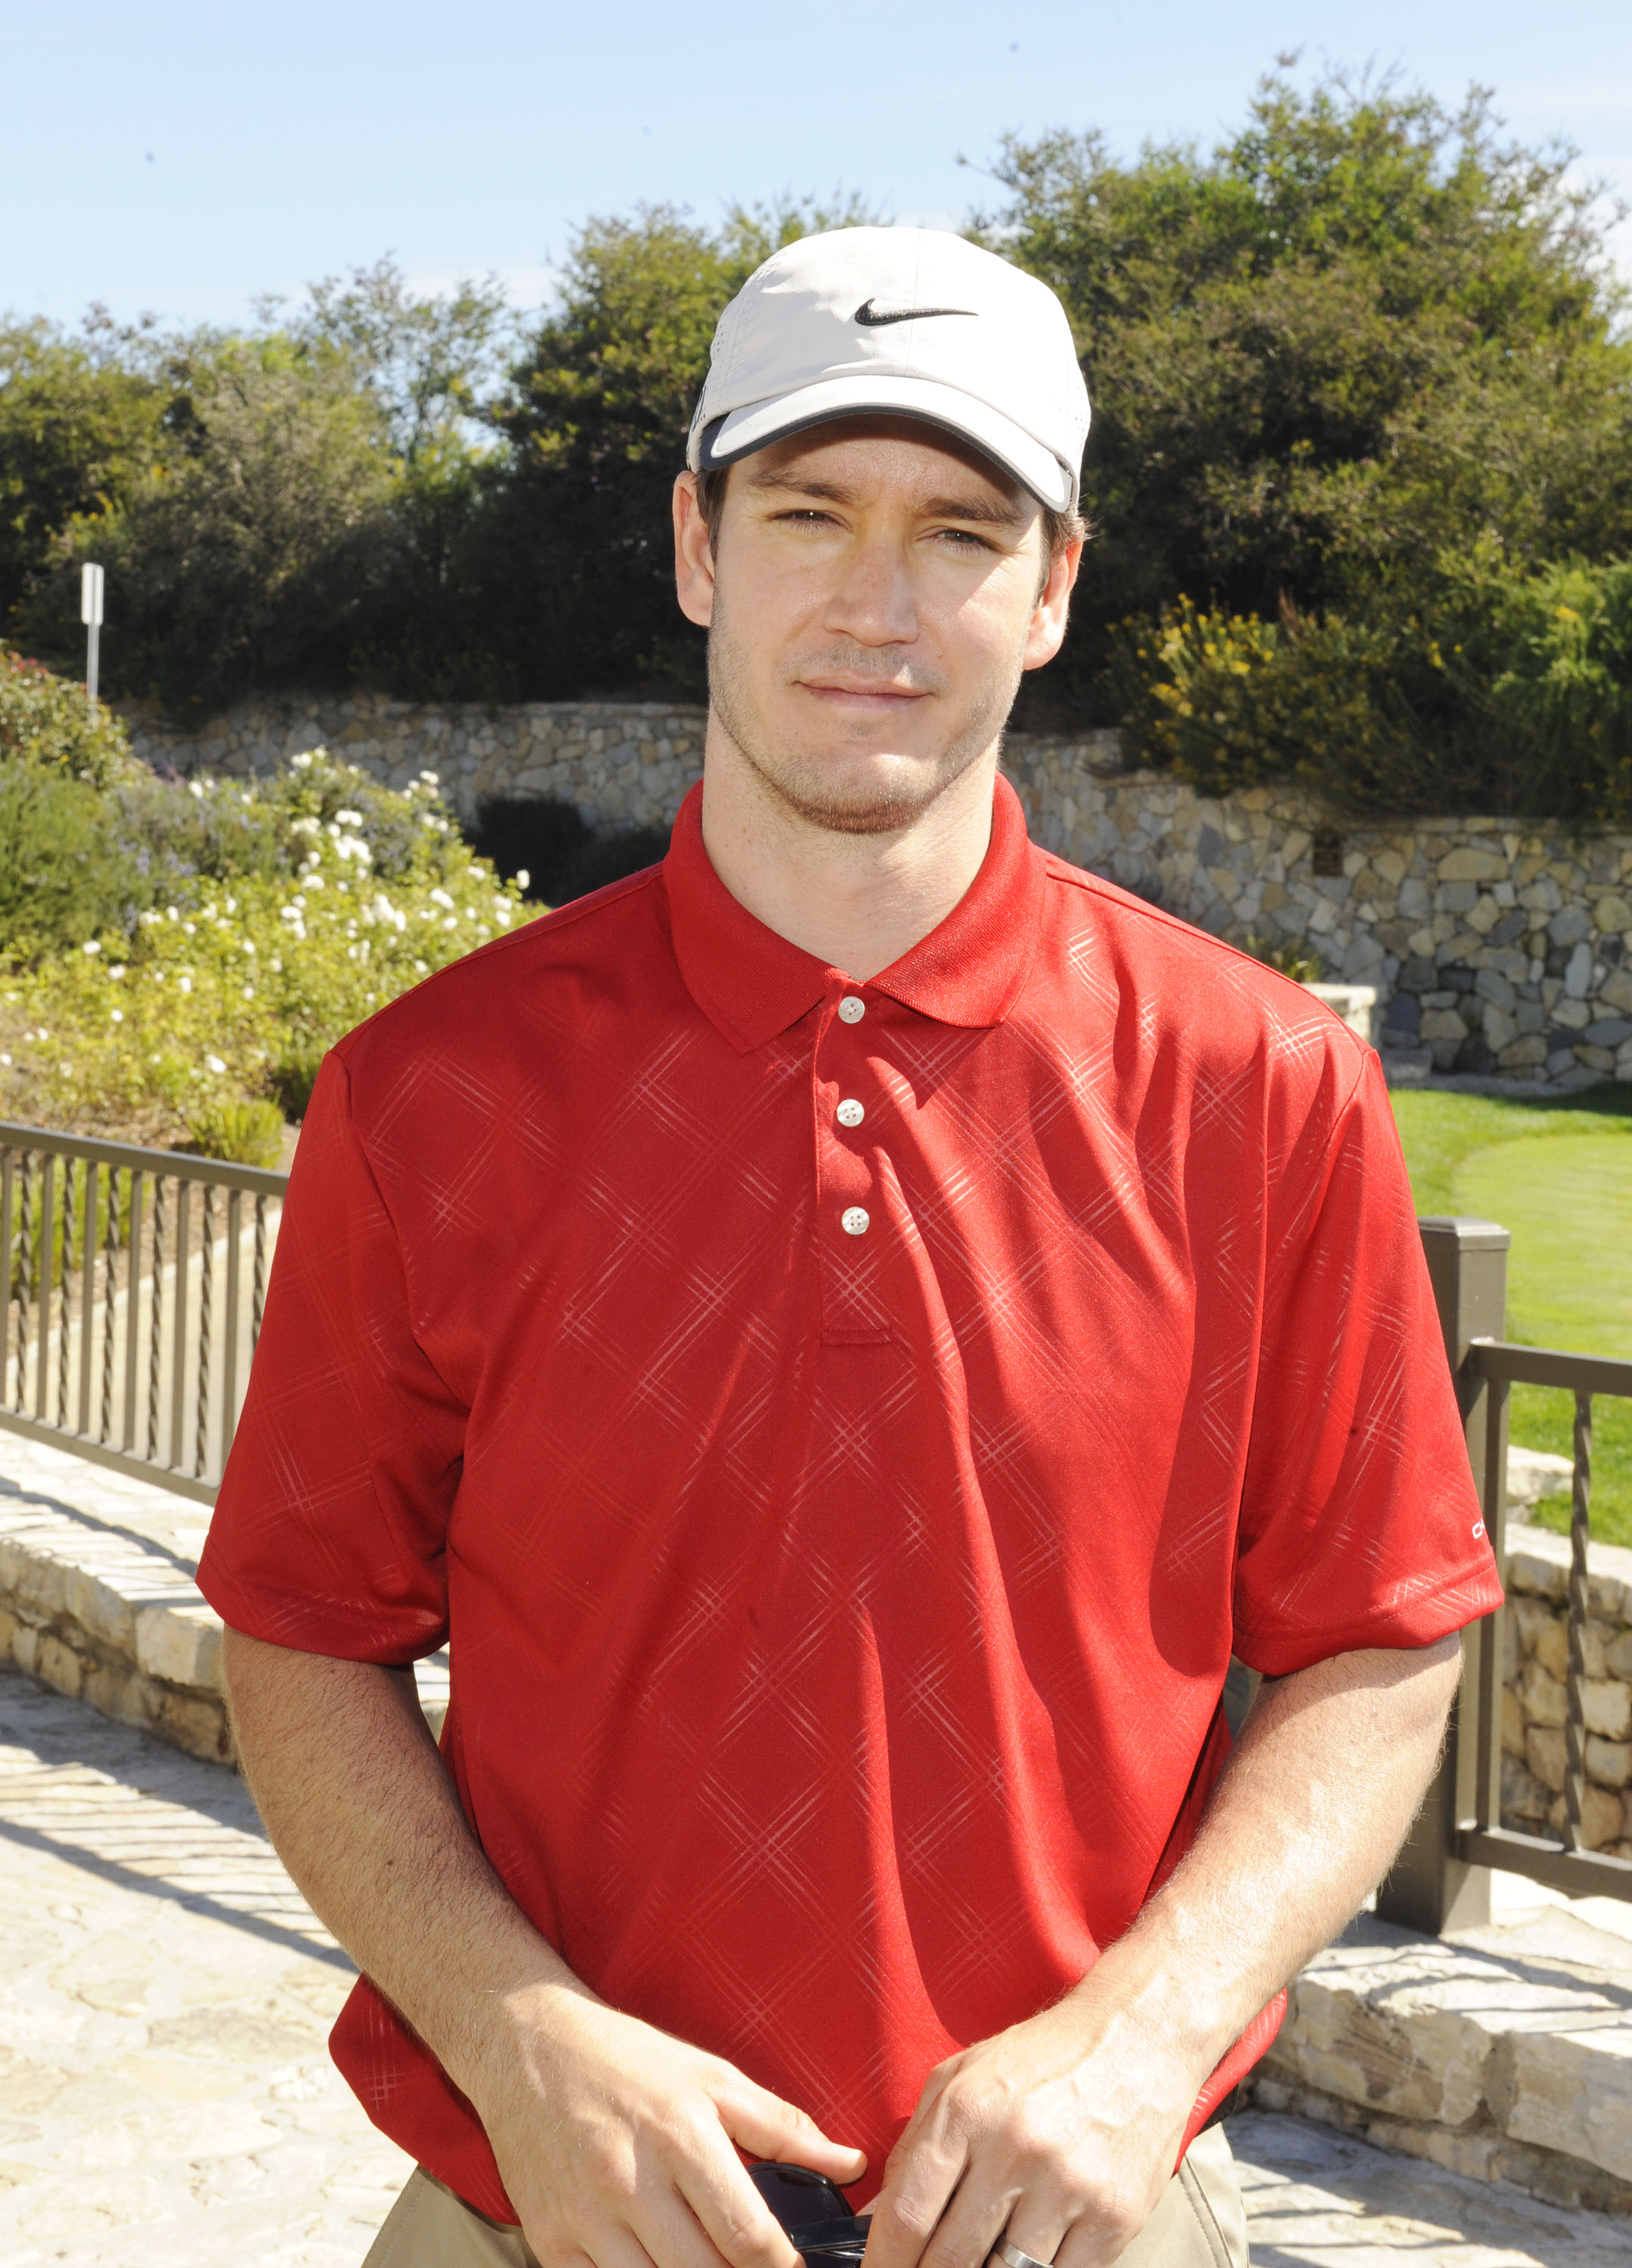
(853, 1221)
(851, 1010)
(849, 1114)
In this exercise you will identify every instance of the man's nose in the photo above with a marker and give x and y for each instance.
(872, 600)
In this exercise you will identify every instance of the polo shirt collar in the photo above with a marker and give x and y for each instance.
(753, 984)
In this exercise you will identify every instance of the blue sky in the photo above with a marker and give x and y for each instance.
(181, 158)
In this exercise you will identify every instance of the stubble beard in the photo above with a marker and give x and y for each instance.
(800, 780)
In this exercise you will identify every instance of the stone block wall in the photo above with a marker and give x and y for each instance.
(85, 1616)
(1501, 2054)
(625, 764)
(1534, 1702)
(1500, 948)
(97, 1598)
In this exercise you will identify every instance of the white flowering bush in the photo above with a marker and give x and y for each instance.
(233, 991)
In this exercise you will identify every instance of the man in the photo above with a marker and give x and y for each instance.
(844, 1332)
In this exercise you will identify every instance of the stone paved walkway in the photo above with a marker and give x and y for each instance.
(166, 2101)
(166, 2097)
(1318, 2196)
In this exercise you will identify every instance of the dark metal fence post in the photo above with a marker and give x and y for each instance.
(1430, 1889)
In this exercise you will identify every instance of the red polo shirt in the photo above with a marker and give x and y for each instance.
(844, 1429)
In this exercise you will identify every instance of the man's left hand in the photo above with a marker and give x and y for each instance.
(1060, 2134)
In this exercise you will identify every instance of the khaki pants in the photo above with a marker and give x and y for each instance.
(1199, 2223)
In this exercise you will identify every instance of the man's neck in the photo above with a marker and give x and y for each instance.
(856, 901)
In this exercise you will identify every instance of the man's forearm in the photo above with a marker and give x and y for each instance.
(1312, 1808)
(356, 1799)
(1064, 2128)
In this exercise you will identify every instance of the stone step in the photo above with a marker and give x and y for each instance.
(1503, 2052)
(97, 1598)
(1532, 1474)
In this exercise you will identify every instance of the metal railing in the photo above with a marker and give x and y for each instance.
(133, 1282)
(1441, 1881)
(130, 1316)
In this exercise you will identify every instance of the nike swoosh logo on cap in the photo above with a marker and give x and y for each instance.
(874, 321)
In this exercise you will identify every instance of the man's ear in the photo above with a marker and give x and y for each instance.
(694, 554)
(1046, 633)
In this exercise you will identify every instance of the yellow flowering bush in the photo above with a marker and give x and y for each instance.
(1229, 701)
(1512, 693)
(233, 990)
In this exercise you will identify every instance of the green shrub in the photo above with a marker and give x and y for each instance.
(62, 877)
(1541, 657)
(231, 991)
(1291, 957)
(1229, 701)
(175, 835)
(47, 720)
(1510, 693)
(242, 1133)
(76, 862)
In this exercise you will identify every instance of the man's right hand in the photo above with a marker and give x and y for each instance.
(615, 2140)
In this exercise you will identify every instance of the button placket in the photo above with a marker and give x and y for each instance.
(850, 1227)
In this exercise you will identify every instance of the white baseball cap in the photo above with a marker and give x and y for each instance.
(913, 321)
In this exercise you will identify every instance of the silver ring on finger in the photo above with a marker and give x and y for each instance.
(1012, 2257)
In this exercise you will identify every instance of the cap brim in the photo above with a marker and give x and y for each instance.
(741, 431)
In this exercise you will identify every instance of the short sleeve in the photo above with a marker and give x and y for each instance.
(1360, 1524)
(329, 1532)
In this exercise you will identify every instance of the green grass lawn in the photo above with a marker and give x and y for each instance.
(1559, 1175)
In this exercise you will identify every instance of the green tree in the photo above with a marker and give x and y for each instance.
(248, 554)
(79, 431)
(1363, 334)
(434, 360)
(437, 365)
(289, 506)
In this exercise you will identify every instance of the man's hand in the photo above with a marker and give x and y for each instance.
(1060, 2134)
(614, 2141)
(1062, 2131)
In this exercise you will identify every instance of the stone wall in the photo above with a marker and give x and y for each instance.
(86, 1607)
(1499, 947)
(622, 764)
(1534, 1702)
(1503, 2053)
(97, 1598)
